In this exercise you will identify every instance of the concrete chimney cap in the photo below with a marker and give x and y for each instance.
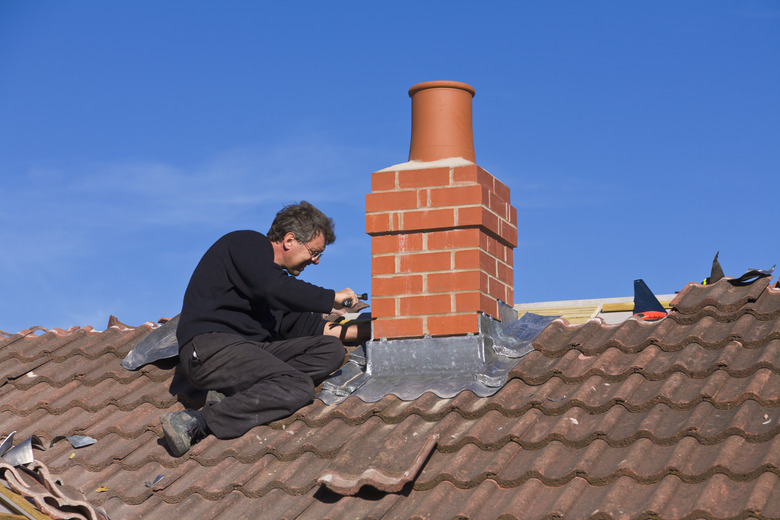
(442, 84)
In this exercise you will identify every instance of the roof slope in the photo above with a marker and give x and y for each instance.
(671, 419)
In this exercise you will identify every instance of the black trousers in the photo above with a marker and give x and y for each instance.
(262, 381)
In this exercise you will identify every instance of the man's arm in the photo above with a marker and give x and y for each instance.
(348, 333)
(345, 299)
(252, 271)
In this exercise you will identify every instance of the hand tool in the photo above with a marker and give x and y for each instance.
(350, 303)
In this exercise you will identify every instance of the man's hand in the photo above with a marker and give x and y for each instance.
(344, 296)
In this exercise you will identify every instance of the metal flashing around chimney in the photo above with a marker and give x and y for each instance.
(445, 366)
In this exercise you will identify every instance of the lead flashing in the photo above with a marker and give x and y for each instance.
(445, 366)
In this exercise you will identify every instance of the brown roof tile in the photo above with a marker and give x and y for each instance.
(673, 419)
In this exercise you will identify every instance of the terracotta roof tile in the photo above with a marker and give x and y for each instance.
(387, 458)
(674, 419)
(694, 298)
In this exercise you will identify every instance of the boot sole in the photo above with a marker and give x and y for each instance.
(174, 437)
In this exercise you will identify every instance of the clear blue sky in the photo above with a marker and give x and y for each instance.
(638, 138)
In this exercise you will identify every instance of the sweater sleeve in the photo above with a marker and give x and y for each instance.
(298, 324)
(252, 270)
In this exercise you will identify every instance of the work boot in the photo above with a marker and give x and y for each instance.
(182, 429)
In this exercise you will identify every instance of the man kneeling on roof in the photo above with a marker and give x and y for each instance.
(252, 335)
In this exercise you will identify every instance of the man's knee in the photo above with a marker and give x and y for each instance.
(330, 355)
(294, 392)
(336, 352)
(280, 395)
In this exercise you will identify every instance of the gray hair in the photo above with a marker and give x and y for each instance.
(304, 220)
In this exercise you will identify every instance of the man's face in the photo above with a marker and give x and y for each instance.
(301, 255)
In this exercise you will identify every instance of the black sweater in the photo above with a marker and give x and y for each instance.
(238, 288)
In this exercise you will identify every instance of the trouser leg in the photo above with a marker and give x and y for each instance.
(316, 356)
(263, 381)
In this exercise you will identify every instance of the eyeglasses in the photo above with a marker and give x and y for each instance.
(314, 256)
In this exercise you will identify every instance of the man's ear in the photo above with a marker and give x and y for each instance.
(289, 240)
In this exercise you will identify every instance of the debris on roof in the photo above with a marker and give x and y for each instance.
(716, 273)
(51, 498)
(22, 453)
(749, 276)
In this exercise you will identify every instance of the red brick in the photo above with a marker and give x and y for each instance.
(484, 241)
(426, 304)
(490, 307)
(383, 307)
(508, 233)
(513, 215)
(498, 206)
(470, 216)
(393, 328)
(377, 222)
(475, 301)
(428, 219)
(396, 285)
(454, 239)
(399, 243)
(501, 189)
(382, 265)
(492, 246)
(475, 259)
(382, 181)
(497, 289)
(425, 262)
(509, 296)
(466, 259)
(458, 196)
(453, 325)
(391, 201)
(504, 272)
(380, 223)
(491, 221)
(499, 249)
(424, 178)
(472, 174)
(477, 216)
(456, 281)
(424, 198)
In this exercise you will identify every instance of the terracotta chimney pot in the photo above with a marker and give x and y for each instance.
(441, 121)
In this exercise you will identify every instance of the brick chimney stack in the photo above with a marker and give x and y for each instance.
(442, 228)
